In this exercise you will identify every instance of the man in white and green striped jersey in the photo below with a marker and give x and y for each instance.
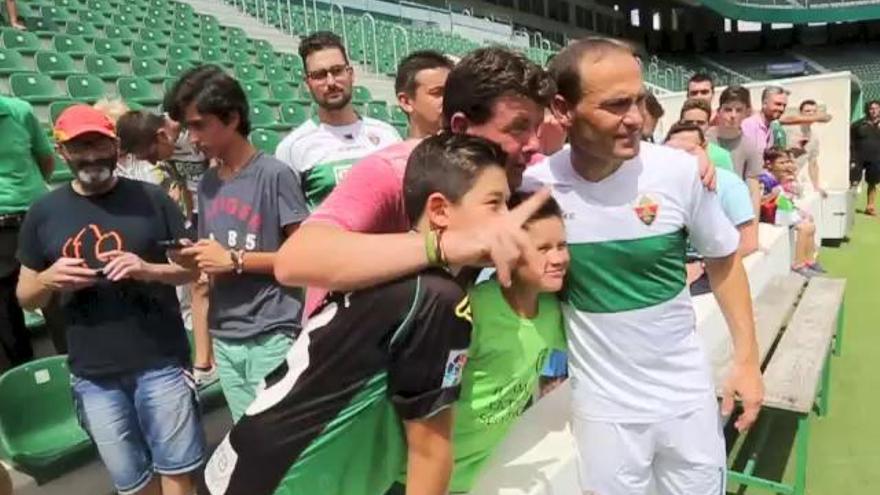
(645, 416)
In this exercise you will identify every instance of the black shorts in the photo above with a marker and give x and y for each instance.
(870, 170)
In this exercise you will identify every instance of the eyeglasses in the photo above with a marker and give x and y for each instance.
(336, 71)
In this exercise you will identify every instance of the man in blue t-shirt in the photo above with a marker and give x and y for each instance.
(735, 201)
(104, 262)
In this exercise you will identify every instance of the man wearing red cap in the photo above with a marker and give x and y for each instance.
(96, 244)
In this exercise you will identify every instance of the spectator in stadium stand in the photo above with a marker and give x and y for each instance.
(26, 161)
(323, 149)
(360, 235)
(331, 417)
(865, 153)
(698, 112)
(748, 162)
(733, 195)
(249, 203)
(805, 146)
(128, 351)
(156, 140)
(637, 372)
(421, 77)
(12, 13)
(653, 113)
(701, 86)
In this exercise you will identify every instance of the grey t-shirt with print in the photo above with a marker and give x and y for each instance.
(250, 212)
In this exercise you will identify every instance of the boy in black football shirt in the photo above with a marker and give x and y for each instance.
(368, 387)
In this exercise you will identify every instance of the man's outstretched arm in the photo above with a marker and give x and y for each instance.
(729, 282)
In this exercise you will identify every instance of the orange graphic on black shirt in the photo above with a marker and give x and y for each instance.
(105, 242)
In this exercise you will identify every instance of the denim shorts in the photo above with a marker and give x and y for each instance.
(142, 422)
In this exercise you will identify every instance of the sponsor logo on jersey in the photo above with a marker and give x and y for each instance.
(463, 309)
(646, 209)
(454, 368)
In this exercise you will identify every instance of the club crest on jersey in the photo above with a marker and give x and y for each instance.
(454, 368)
(646, 209)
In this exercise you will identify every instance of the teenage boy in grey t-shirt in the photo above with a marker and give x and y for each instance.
(248, 205)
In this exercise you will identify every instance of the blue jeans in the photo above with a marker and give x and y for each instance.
(142, 423)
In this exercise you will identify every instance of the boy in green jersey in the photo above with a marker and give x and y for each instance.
(515, 329)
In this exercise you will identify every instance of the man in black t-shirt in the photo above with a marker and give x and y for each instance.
(865, 152)
(96, 245)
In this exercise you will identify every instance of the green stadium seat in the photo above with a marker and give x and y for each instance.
(57, 14)
(11, 62)
(149, 69)
(56, 107)
(257, 93)
(236, 32)
(212, 55)
(158, 21)
(85, 88)
(112, 47)
(181, 53)
(104, 66)
(24, 42)
(361, 95)
(265, 140)
(402, 129)
(212, 40)
(183, 26)
(175, 68)
(137, 90)
(75, 46)
(185, 38)
(263, 46)
(398, 116)
(147, 50)
(293, 114)
(276, 73)
(70, 5)
(242, 44)
(125, 20)
(263, 116)
(247, 73)
(156, 36)
(283, 91)
(35, 88)
(82, 29)
(121, 33)
(56, 65)
(95, 18)
(378, 110)
(43, 27)
(267, 58)
(168, 84)
(239, 56)
(46, 439)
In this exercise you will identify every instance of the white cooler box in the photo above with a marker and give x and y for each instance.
(838, 214)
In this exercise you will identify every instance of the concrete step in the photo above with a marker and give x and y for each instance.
(381, 86)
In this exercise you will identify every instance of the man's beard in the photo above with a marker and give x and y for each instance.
(336, 104)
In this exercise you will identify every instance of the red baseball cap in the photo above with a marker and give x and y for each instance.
(77, 120)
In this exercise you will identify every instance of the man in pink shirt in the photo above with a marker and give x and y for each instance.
(758, 128)
(492, 92)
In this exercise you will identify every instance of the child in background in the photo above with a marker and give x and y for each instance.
(778, 208)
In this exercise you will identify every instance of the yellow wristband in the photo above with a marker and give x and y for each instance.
(431, 251)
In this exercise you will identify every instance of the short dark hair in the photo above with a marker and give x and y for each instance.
(213, 92)
(774, 153)
(136, 130)
(415, 62)
(806, 103)
(869, 104)
(447, 163)
(653, 106)
(486, 74)
(566, 65)
(680, 127)
(550, 208)
(696, 104)
(320, 40)
(734, 94)
(702, 77)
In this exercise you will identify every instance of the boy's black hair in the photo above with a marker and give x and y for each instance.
(807, 103)
(702, 77)
(550, 208)
(137, 130)
(320, 40)
(735, 93)
(214, 92)
(447, 163)
(415, 62)
(774, 153)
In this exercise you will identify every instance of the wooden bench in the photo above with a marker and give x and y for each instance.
(799, 325)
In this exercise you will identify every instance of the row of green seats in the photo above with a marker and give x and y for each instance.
(40, 89)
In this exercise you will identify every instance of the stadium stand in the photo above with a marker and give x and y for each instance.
(860, 59)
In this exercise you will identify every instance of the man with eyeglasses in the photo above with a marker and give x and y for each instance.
(323, 148)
